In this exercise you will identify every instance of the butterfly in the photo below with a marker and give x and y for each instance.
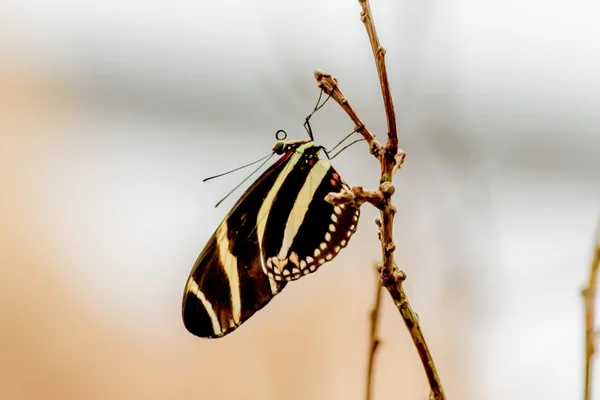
(280, 230)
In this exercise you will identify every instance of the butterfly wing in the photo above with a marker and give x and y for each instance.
(302, 231)
(281, 229)
(227, 285)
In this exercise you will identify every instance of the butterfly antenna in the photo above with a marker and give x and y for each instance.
(340, 142)
(344, 148)
(248, 177)
(236, 169)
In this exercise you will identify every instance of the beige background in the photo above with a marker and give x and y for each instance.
(111, 114)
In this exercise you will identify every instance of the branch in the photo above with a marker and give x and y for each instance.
(589, 298)
(374, 340)
(391, 159)
(357, 196)
(379, 53)
(328, 84)
(393, 283)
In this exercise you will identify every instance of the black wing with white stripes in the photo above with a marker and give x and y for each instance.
(280, 230)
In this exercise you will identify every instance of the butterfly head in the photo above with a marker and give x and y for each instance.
(284, 146)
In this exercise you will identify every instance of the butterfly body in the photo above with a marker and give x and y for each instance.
(279, 230)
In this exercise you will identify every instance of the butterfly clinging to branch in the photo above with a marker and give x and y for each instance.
(280, 230)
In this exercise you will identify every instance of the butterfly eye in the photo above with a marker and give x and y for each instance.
(280, 147)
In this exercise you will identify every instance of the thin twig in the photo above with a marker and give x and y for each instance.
(589, 298)
(329, 85)
(375, 342)
(393, 283)
(379, 53)
(391, 159)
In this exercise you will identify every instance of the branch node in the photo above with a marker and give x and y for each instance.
(390, 247)
(400, 156)
(387, 189)
(375, 148)
(399, 275)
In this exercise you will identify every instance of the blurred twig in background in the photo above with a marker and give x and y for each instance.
(390, 158)
(373, 339)
(589, 298)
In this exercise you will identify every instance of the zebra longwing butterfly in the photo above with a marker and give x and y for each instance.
(279, 230)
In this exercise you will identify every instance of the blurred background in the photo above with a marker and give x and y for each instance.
(112, 112)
